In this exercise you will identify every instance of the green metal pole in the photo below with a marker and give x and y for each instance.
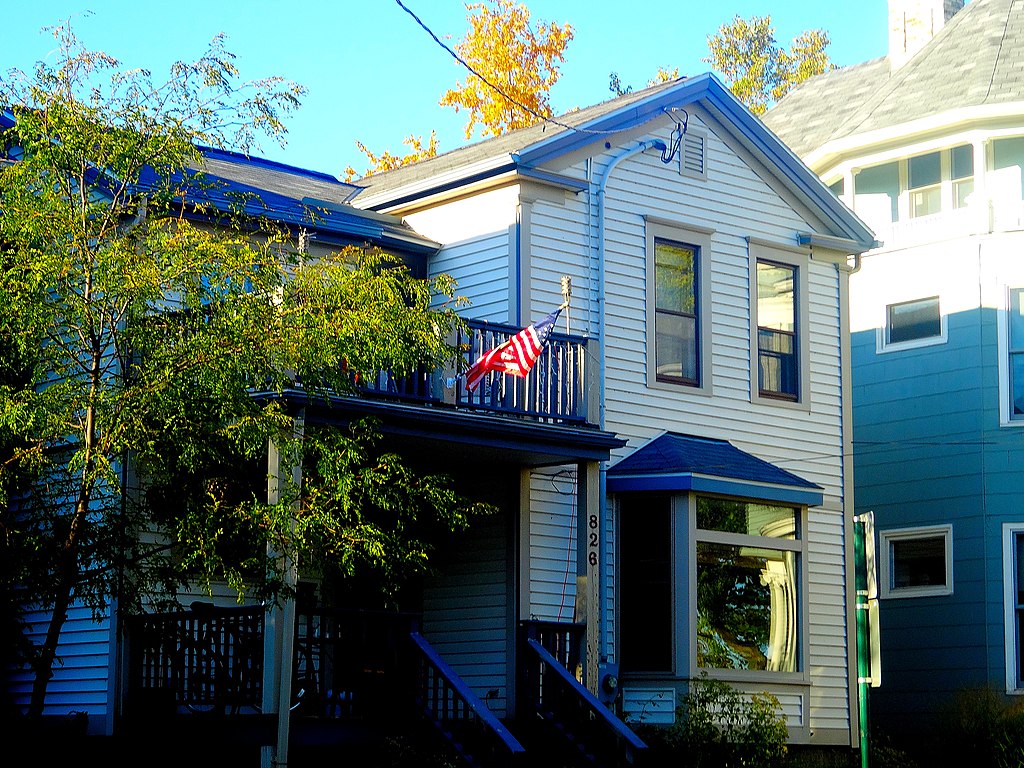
(863, 638)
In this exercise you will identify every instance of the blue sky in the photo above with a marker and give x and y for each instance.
(374, 75)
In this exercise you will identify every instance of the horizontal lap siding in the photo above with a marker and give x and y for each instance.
(552, 544)
(481, 267)
(465, 611)
(82, 672)
(737, 204)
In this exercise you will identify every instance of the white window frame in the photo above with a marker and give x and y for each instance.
(798, 259)
(1011, 640)
(1006, 418)
(885, 541)
(699, 238)
(882, 343)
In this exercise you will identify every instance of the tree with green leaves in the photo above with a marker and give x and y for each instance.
(756, 68)
(143, 309)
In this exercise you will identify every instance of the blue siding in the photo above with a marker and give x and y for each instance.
(928, 450)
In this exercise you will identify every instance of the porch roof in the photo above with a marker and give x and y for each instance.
(471, 437)
(676, 462)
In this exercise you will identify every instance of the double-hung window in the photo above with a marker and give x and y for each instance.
(677, 303)
(676, 318)
(778, 346)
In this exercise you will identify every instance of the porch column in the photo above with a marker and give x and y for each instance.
(590, 536)
(279, 635)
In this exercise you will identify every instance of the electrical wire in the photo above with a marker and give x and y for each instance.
(497, 89)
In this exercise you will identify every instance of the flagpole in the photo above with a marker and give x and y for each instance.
(566, 294)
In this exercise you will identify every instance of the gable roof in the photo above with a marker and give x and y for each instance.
(678, 462)
(977, 59)
(525, 152)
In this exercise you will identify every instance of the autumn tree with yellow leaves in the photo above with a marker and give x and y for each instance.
(514, 65)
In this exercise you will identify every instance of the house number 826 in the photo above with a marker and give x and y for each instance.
(593, 540)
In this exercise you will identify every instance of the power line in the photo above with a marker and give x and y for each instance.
(492, 86)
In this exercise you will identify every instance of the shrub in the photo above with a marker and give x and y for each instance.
(716, 725)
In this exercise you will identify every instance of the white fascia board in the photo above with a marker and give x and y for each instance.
(964, 118)
(456, 177)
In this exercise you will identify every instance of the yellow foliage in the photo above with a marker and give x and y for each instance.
(386, 161)
(664, 75)
(506, 52)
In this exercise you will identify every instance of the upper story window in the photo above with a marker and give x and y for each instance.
(778, 359)
(676, 319)
(922, 185)
(1015, 353)
(1008, 168)
(913, 321)
(677, 306)
(924, 177)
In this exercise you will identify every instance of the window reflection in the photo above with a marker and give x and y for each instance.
(746, 608)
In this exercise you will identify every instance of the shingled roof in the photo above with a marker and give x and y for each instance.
(977, 59)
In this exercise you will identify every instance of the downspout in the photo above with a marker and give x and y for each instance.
(599, 256)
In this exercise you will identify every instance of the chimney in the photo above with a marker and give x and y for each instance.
(912, 23)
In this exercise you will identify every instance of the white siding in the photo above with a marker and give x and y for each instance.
(738, 205)
(552, 544)
(476, 233)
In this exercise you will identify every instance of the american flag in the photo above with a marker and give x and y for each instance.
(515, 356)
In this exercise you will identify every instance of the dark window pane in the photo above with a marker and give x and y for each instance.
(746, 608)
(746, 518)
(914, 320)
(838, 187)
(918, 562)
(962, 161)
(676, 346)
(924, 170)
(777, 363)
(645, 554)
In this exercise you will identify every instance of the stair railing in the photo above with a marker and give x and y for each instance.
(552, 694)
(470, 728)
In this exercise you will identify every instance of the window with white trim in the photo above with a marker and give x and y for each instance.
(909, 324)
(1015, 354)
(1013, 605)
(916, 562)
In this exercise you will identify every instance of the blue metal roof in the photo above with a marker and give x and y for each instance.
(676, 462)
(232, 182)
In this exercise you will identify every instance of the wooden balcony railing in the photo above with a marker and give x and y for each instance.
(460, 715)
(554, 391)
(204, 660)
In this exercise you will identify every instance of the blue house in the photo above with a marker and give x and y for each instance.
(927, 146)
